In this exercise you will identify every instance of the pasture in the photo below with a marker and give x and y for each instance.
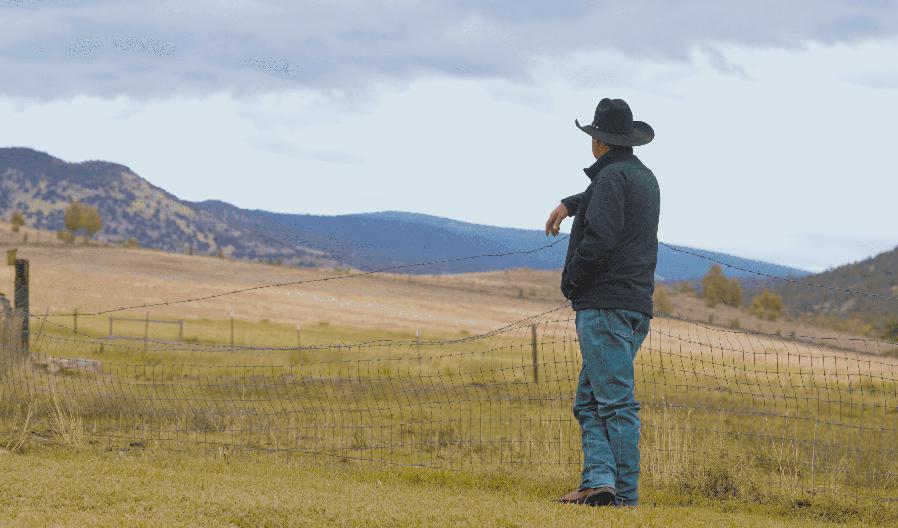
(372, 390)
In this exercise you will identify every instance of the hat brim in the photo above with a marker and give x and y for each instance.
(641, 134)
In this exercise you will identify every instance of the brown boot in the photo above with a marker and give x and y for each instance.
(603, 496)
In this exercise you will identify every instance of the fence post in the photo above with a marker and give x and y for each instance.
(298, 344)
(146, 333)
(534, 349)
(40, 329)
(418, 346)
(181, 330)
(21, 298)
(110, 326)
(232, 332)
(75, 317)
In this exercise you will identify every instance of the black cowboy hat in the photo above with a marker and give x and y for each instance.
(613, 124)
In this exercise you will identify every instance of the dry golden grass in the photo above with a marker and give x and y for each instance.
(53, 487)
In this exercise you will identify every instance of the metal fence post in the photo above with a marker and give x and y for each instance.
(21, 298)
(534, 349)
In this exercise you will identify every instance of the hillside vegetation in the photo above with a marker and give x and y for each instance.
(878, 275)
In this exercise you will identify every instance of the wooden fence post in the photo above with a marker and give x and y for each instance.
(22, 300)
(232, 331)
(299, 343)
(75, 318)
(418, 346)
(534, 349)
(146, 333)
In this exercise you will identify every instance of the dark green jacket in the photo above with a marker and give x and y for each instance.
(613, 248)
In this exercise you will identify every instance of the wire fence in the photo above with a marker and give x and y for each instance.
(730, 411)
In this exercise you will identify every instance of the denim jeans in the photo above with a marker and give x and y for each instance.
(605, 404)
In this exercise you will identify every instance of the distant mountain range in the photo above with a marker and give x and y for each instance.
(41, 187)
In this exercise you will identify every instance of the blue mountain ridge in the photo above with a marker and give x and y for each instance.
(394, 238)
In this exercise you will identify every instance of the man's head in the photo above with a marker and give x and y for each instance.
(599, 148)
(613, 124)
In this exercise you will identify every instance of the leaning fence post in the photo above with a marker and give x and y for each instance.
(21, 298)
(534, 350)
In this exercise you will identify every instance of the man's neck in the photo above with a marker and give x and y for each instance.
(607, 158)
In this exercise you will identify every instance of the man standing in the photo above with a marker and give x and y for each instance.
(609, 277)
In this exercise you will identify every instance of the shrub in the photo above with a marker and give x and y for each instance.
(891, 330)
(132, 243)
(732, 296)
(686, 287)
(716, 288)
(767, 305)
(82, 218)
(17, 221)
(661, 300)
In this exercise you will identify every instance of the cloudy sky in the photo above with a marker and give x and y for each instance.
(774, 120)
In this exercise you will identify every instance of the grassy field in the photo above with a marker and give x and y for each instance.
(415, 396)
(730, 421)
(53, 487)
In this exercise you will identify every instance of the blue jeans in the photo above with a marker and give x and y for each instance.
(605, 404)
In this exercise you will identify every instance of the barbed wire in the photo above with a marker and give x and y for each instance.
(306, 281)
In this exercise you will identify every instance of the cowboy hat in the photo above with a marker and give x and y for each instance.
(613, 124)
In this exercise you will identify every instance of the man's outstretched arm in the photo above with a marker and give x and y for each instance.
(567, 207)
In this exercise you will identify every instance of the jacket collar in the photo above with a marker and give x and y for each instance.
(610, 157)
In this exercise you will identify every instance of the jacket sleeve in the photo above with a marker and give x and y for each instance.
(572, 203)
(604, 222)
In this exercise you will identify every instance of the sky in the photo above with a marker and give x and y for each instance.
(774, 120)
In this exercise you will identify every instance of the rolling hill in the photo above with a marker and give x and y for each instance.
(877, 275)
(41, 186)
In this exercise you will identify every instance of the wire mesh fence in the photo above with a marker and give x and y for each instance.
(718, 405)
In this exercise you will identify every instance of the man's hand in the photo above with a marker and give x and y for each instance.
(553, 224)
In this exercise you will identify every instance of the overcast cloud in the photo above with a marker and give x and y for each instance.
(52, 49)
(774, 119)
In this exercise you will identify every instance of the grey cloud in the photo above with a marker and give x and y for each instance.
(156, 49)
(880, 80)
